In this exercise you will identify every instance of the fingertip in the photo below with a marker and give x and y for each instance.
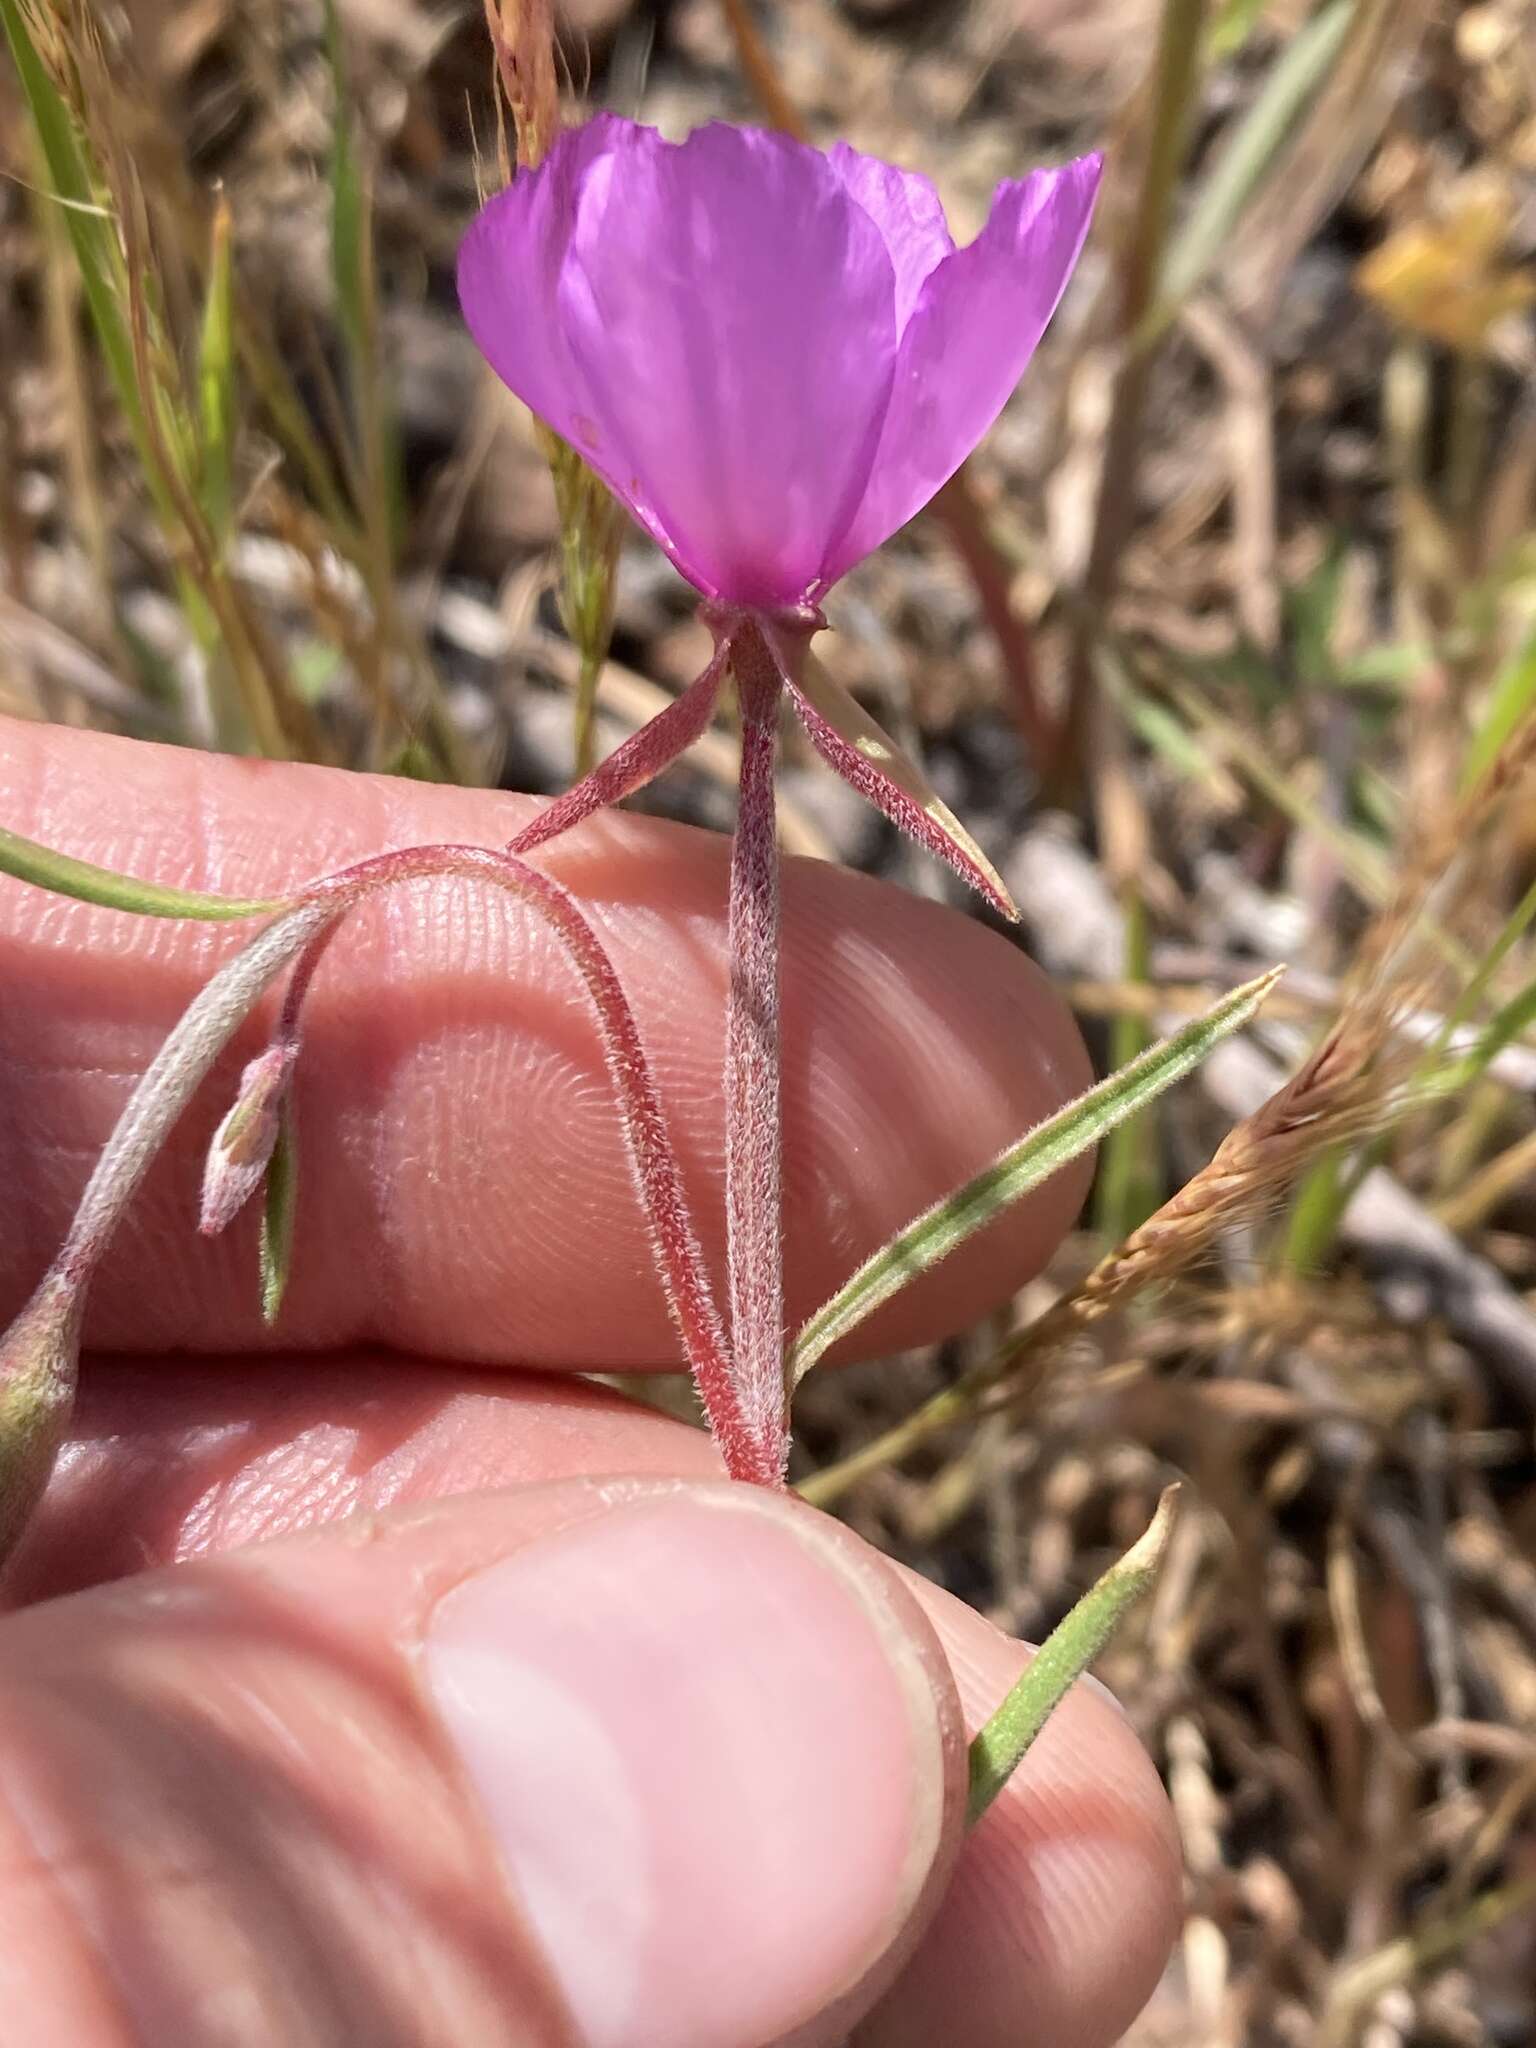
(713, 1725)
(618, 1760)
(462, 1153)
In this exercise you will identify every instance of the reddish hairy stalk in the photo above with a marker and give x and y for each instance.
(653, 1163)
(888, 797)
(753, 1199)
(641, 758)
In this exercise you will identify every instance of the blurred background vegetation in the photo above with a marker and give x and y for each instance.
(1224, 648)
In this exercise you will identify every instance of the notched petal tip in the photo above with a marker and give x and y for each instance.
(973, 329)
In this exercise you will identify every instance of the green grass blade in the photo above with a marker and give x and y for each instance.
(66, 876)
(279, 1204)
(1268, 125)
(348, 206)
(1234, 23)
(1509, 705)
(93, 236)
(216, 384)
(1061, 1660)
(1129, 1184)
(1317, 1210)
(1035, 1157)
(1508, 1023)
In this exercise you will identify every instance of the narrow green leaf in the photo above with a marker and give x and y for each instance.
(92, 233)
(1317, 1209)
(66, 876)
(1513, 1020)
(98, 250)
(1035, 1157)
(1234, 23)
(1242, 166)
(1061, 1660)
(1129, 1182)
(280, 1200)
(377, 480)
(216, 384)
(1509, 704)
(1312, 609)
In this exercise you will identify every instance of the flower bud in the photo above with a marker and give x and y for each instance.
(241, 1148)
(39, 1366)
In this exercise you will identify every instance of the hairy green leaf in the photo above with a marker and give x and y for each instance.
(1061, 1660)
(1033, 1159)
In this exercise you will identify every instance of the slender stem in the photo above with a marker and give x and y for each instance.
(960, 510)
(761, 74)
(653, 1162)
(1175, 80)
(172, 1077)
(753, 1198)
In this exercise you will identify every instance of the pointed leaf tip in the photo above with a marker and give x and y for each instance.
(66, 876)
(1063, 1657)
(858, 749)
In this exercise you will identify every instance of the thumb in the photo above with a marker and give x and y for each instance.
(608, 1763)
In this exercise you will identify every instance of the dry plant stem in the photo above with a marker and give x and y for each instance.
(761, 73)
(753, 1196)
(1175, 78)
(956, 505)
(1357, 1989)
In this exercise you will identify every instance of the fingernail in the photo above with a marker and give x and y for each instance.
(709, 1755)
(1091, 1682)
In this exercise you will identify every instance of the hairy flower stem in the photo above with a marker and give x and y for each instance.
(653, 1162)
(39, 1353)
(173, 1076)
(753, 1202)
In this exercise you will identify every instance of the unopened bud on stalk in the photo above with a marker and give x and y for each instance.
(241, 1148)
(39, 1366)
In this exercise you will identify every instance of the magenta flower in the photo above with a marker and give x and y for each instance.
(773, 356)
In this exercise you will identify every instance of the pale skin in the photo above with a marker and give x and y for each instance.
(298, 1652)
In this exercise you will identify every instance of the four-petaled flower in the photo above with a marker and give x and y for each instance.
(774, 356)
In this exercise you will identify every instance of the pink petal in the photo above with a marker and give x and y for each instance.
(712, 325)
(972, 332)
(909, 214)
